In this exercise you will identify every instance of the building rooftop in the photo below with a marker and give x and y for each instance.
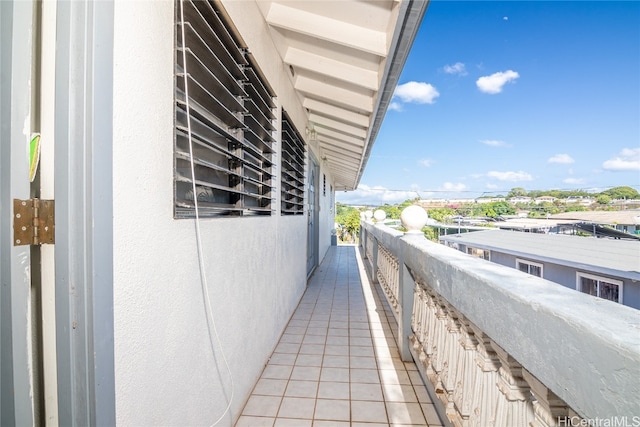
(609, 256)
(631, 216)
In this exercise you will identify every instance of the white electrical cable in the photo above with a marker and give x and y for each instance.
(203, 276)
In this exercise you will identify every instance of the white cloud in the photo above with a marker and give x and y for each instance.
(573, 181)
(416, 92)
(426, 162)
(395, 106)
(449, 186)
(561, 158)
(510, 176)
(505, 18)
(492, 186)
(376, 195)
(627, 160)
(493, 84)
(457, 68)
(494, 143)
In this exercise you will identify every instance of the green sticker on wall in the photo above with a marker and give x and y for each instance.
(34, 155)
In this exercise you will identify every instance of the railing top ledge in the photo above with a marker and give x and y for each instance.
(386, 235)
(585, 349)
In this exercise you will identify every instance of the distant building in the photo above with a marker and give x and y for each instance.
(520, 199)
(545, 199)
(483, 200)
(627, 221)
(606, 268)
(580, 200)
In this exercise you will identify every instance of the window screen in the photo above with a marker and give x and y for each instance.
(231, 112)
(294, 155)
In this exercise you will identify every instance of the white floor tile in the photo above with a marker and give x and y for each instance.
(249, 421)
(307, 389)
(297, 407)
(270, 387)
(266, 406)
(334, 410)
(333, 390)
(335, 374)
(368, 412)
(405, 413)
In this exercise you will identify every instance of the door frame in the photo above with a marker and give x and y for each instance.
(17, 377)
(312, 214)
(83, 177)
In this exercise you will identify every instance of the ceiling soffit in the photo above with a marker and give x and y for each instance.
(345, 58)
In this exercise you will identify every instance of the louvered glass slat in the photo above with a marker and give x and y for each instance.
(222, 132)
(292, 178)
(255, 78)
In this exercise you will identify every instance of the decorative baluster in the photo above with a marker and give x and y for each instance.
(515, 407)
(452, 349)
(394, 276)
(463, 393)
(438, 350)
(416, 316)
(429, 342)
(549, 410)
(485, 392)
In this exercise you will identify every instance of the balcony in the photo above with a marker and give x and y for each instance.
(477, 343)
(337, 362)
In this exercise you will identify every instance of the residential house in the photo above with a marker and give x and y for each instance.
(606, 268)
(545, 199)
(519, 199)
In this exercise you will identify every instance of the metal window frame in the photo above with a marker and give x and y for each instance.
(529, 264)
(235, 177)
(293, 167)
(599, 279)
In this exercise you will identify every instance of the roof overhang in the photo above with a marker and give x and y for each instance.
(345, 58)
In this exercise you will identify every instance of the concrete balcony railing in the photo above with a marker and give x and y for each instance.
(498, 347)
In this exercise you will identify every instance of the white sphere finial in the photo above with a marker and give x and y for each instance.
(414, 218)
(368, 215)
(380, 215)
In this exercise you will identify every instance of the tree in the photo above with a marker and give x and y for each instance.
(622, 193)
(495, 209)
(517, 192)
(603, 199)
(439, 214)
(348, 220)
(392, 211)
(431, 233)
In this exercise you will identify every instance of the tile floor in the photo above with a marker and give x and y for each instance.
(337, 363)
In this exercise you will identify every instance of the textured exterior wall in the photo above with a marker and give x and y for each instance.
(167, 370)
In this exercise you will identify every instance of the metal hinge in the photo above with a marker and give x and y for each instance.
(33, 222)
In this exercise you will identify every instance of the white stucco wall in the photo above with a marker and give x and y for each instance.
(167, 371)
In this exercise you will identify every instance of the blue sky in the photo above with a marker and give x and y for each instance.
(496, 95)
